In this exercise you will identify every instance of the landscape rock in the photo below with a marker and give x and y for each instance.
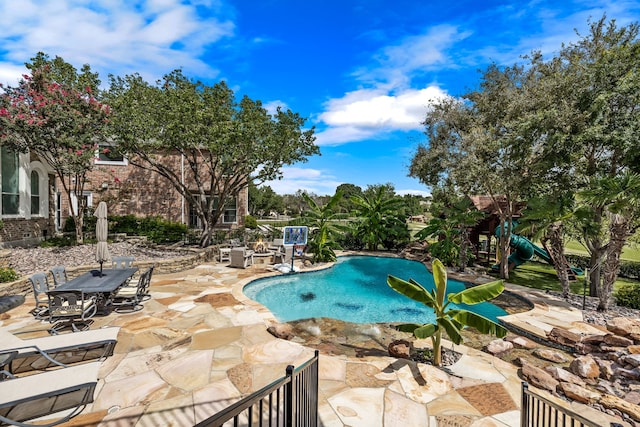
(617, 341)
(550, 355)
(499, 346)
(400, 349)
(633, 397)
(564, 337)
(614, 402)
(585, 367)
(539, 377)
(634, 349)
(632, 359)
(563, 375)
(624, 326)
(281, 330)
(522, 342)
(606, 369)
(578, 393)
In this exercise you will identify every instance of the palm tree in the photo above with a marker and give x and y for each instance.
(450, 320)
(544, 218)
(621, 197)
(378, 216)
(321, 219)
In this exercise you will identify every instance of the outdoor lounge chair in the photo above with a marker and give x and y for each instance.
(59, 274)
(129, 298)
(69, 389)
(283, 256)
(40, 285)
(38, 354)
(71, 309)
(241, 257)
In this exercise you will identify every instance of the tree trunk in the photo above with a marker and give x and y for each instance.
(556, 248)
(79, 221)
(619, 232)
(595, 269)
(463, 258)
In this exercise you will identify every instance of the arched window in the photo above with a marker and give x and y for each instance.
(10, 182)
(35, 193)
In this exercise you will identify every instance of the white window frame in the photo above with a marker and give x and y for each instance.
(98, 161)
(43, 186)
(24, 188)
(74, 201)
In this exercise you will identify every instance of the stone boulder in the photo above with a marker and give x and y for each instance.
(624, 326)
(499, 347)
(400, 349)
(563, 375)
(281, 330)
(521, 342)
(550, 355)
(539, 377)
(579, 394)
(564, 337)
(617, 341)
(613, 402)
(585, 367)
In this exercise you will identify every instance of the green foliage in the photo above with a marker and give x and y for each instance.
(250, 222)
(628, 296)
(56, 112)
(225, 142)
(448, 319)
(157, 229)
(379, 222)
(58, 241)
(8, 274)
(320, 219)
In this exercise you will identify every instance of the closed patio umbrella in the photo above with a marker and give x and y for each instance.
(102, 249)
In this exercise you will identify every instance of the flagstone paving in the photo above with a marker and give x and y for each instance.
(199, 344)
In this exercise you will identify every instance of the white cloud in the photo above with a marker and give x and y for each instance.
(414, 192)
(272, 106)
(113, 36)
(367, 112)
(305, 179)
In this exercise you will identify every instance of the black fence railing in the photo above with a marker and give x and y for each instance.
(291, 401)
(538, 411)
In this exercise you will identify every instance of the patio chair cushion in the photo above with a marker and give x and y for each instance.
(48, 393)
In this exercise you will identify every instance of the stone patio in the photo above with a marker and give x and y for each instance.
(199, 344)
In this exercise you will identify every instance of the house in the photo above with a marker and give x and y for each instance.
(35, 206)
(27, 205)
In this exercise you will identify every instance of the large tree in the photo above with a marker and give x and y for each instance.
(55, 113)
(475, 148)
(225, 144)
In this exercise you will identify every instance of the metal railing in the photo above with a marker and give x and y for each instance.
(537, 411)
(291, 401)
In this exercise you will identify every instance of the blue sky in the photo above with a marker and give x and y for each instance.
(362, 71)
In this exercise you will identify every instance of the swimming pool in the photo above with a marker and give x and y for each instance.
(354, 290)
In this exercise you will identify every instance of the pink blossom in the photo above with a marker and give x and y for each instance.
(116, 179)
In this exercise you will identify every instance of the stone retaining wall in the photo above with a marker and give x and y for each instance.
(168, 265)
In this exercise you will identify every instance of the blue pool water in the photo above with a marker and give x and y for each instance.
(354, 290)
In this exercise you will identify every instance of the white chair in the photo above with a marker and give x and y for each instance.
(240, 258)
(72, 309)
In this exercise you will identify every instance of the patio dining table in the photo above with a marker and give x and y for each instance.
(103, 284)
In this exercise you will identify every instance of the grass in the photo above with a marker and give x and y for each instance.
(542, 276)
(631, 252)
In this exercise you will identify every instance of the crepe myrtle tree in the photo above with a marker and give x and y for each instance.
(55, 112)
(448, 319)
(225, 143)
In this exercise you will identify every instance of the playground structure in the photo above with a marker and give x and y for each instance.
(525, 250)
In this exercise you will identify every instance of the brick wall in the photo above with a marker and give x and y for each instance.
(20, 231)
(133, 190)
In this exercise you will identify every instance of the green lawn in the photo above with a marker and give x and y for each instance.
(629, 253)
(543, 276)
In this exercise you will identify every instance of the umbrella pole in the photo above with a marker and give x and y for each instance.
(101, 268)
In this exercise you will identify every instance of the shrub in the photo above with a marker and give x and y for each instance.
(8, 274)
(58, 241)
(629, 296)
(250, 222)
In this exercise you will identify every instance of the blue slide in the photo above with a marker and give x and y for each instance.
(524, 250)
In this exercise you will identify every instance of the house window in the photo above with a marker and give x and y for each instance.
(35, 193)
(10, 182)
(230, 211)
(109, 155)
